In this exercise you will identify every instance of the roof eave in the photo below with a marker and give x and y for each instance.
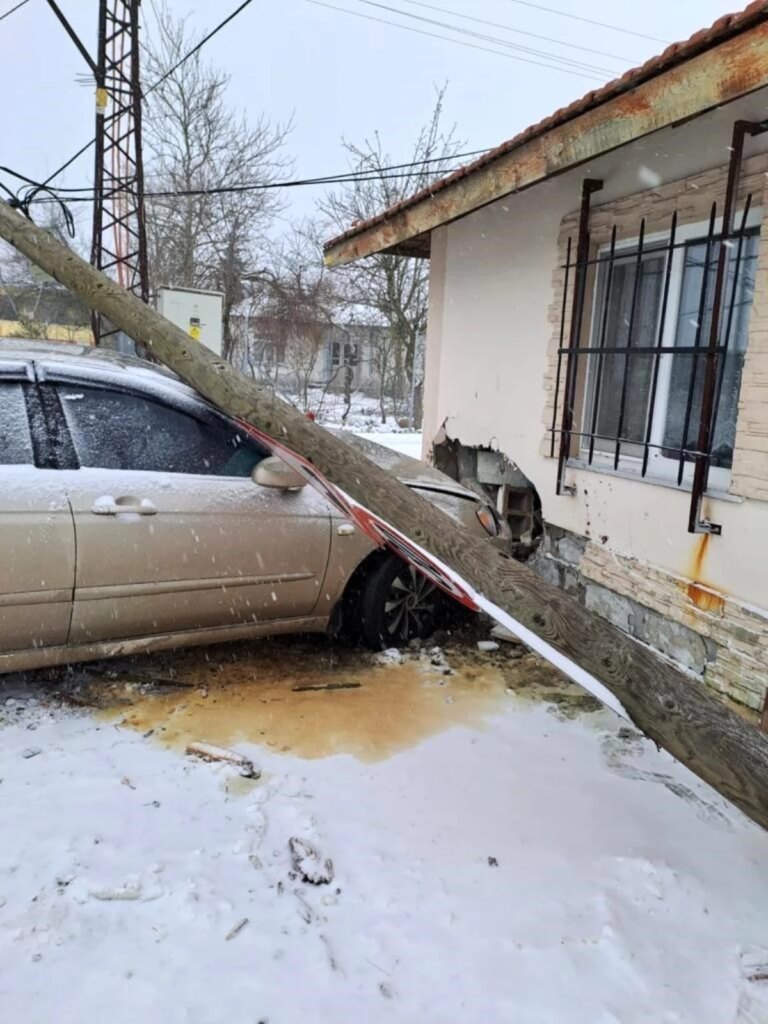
(718, 75)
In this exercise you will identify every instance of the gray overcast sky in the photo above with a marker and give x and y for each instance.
(337, 74)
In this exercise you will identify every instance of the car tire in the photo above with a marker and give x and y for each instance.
(397, 604)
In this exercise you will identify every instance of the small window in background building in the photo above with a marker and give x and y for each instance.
(115, 430)
(15, 437)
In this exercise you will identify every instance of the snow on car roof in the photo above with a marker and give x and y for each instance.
(83, 361)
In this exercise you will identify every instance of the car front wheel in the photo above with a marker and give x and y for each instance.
(398, 604)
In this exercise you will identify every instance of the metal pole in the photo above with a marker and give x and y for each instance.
(589, 186)
(696, 522)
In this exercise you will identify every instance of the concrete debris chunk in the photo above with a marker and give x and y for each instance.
(486, 646)
(503, 634)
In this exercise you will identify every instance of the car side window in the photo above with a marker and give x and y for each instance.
(15, 437)
(118, 430)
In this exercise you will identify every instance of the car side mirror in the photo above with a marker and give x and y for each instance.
(273, 472)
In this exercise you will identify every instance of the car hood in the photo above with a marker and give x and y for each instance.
(408, 471)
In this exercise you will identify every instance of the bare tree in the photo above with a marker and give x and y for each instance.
(32, 299)
(297, 310)
(383, 362)
(392, 288)
(194, 142)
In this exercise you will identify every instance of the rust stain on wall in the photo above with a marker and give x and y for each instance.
(699, 556)
(706, 600)
(705, 597)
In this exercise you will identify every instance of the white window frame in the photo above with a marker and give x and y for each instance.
(661, 468)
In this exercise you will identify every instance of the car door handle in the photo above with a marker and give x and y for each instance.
(109, 506)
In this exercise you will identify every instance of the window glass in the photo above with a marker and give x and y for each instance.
(15, 437)
(691, 328)
(612, 330)
(115, 430)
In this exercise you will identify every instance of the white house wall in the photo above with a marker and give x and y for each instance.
(490, 329)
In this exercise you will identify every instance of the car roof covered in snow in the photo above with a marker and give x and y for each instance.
(89, 355)
(71, 361)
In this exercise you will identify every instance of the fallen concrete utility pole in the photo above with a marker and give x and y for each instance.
(676, 712)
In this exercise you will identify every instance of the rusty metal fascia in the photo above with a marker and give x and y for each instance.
(715, 77)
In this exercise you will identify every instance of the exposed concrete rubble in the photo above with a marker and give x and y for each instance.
(492, 475)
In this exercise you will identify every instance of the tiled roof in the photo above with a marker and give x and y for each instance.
(725, 27)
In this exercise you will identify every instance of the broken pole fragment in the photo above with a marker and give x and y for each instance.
(676, 712)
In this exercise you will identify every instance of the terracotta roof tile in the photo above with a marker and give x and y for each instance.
(676, 53)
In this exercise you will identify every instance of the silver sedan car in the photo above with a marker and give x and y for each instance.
(134, 516)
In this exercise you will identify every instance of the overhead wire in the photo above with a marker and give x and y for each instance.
(195, 49)
(342, 176)
(8, 13)
(547, 54)
(519, 31)
(588, 21)
(54, 195)
(69, 29)
(200, 45)
(450, 39)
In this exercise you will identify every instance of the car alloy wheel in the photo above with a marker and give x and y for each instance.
(411, 605)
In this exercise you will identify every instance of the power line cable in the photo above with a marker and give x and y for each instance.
(342, 176)
(588, 21)
(199, 46)
(449, 39)
(519, 31)
(547, 54)
(54, 197)
(73, 36)
(154, 85)
(10, 12)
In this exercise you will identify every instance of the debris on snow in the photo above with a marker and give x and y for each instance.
(392, 656)
(236, 930)
(31, 752)
(210, 752)
(500, 632)
(754, 965)
(129, 892)
(306, 913)
(309, 863)
(331, 957)
(326, 686)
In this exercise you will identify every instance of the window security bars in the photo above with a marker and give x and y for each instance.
(649, 377)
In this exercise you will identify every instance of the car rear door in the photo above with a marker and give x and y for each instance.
(37, 537)
(172, 532)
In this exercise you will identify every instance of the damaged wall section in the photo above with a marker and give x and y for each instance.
(710, 635)
(497, 479)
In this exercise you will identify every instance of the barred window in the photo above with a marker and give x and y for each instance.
(645, 377)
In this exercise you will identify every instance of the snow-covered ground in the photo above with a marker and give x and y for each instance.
(405, 442)
(501, 852)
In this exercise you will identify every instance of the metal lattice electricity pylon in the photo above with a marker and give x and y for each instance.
(119, 246)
